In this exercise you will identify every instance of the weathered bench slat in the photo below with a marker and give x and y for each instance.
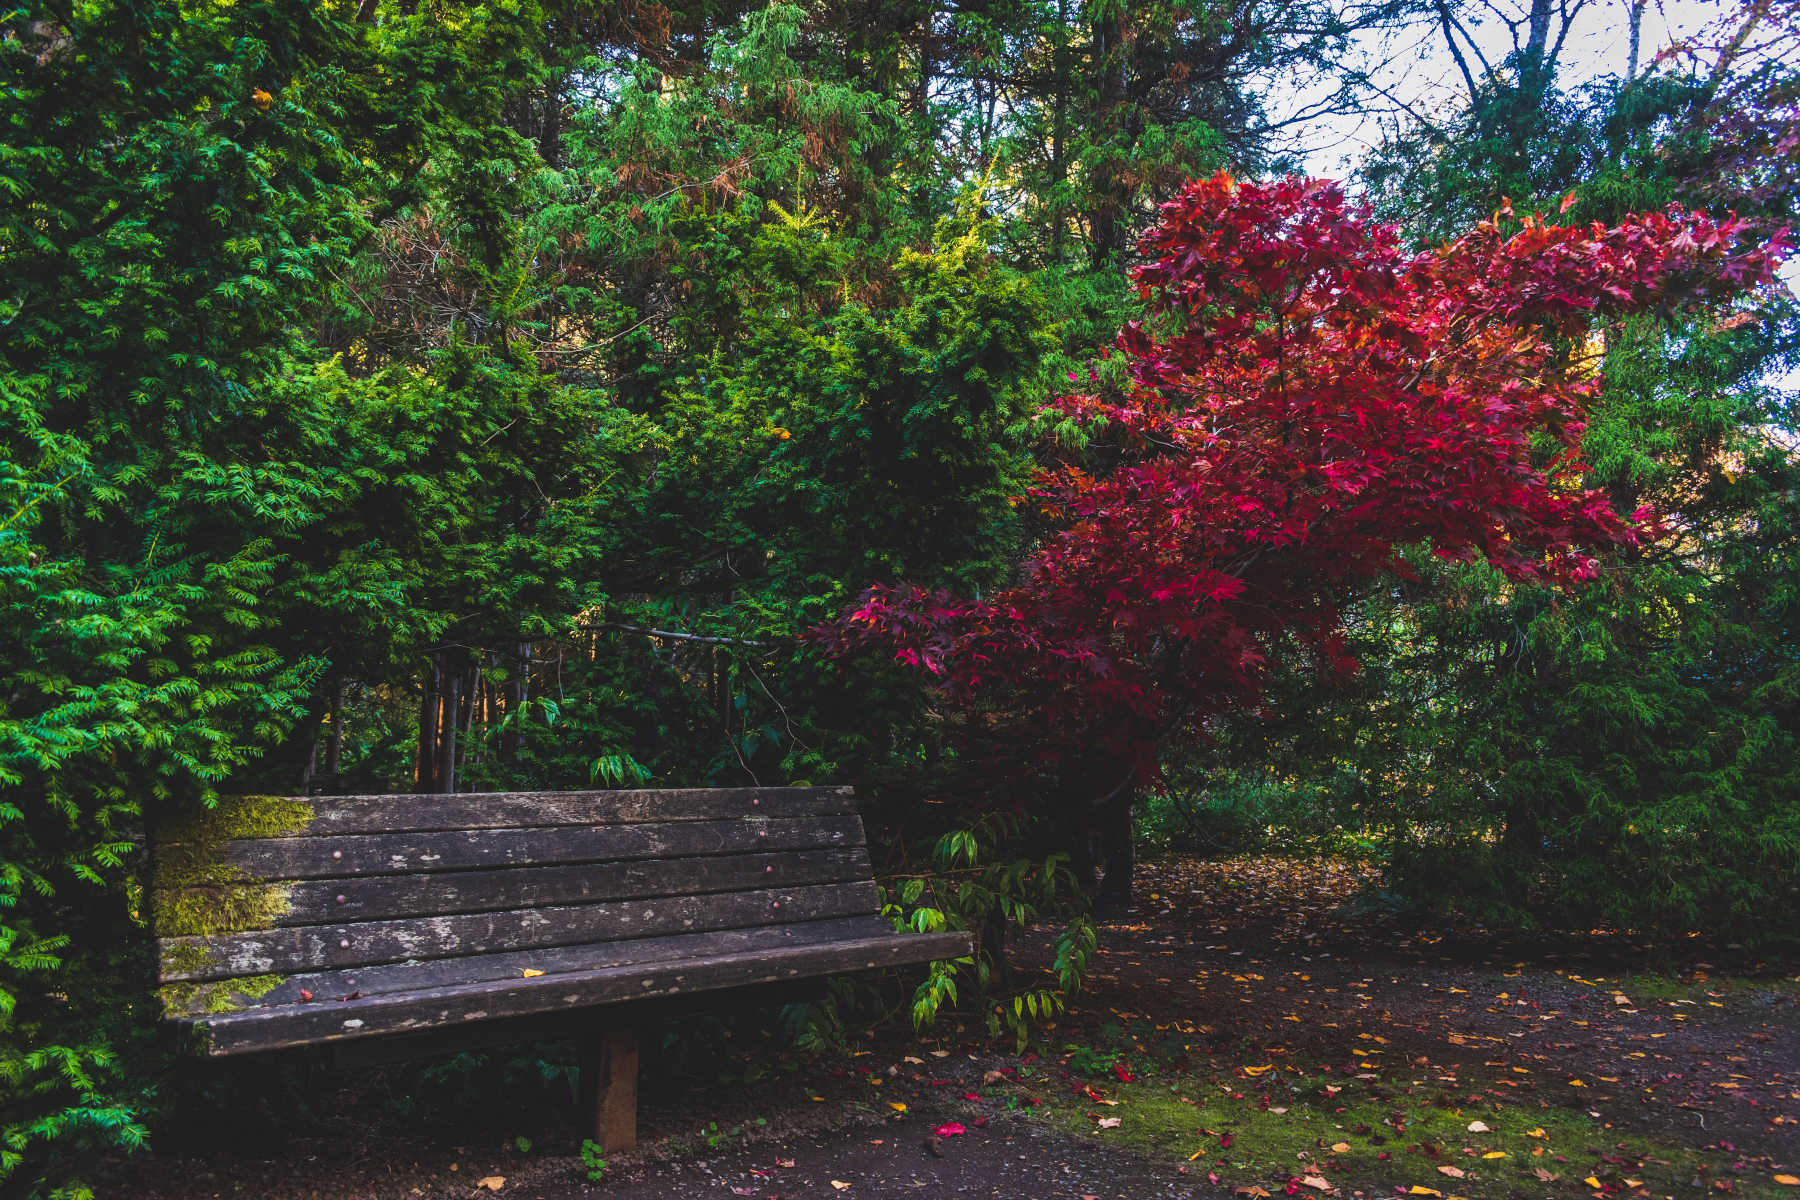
(296, 1025)
(314, 947)
(285, 904)
(349, 855)
(420, 813)
(326, 987)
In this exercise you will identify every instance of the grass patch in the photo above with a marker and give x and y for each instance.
(1376, 1137)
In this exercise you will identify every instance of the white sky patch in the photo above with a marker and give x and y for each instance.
(1413, 68)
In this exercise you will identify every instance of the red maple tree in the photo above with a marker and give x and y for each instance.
(1306, 399)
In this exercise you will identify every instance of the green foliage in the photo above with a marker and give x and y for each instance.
(1627, 755)
(593, 1160)
(970, 888)
(1213, 810)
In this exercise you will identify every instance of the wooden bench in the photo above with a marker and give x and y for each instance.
(299, 921)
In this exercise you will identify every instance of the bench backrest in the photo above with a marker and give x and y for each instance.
(274, 900)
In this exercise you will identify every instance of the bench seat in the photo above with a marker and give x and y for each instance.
(495, 989)
(316, 920)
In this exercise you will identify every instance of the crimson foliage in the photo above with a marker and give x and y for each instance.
(1305, 400)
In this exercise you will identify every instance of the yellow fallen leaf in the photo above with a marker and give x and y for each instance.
(1495, 1154)
(1787, 1181)
(1536, 1133)
(1416, 1190)
(1259, 1070)
(1196, 1154)
(1576, 1083)
(492, 1183)
(1591, 1182)
(1340, 1147)
(531, 972)
(896, 1106)
(1636, 1183)
(839, 1184)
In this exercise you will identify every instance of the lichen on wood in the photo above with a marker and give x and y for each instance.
(231, 908)
(223, 996)
(183, 958)
(189, 849)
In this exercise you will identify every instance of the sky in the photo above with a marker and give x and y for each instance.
(1414, 68)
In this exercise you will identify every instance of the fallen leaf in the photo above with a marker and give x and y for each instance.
(1576, 1083)
(784, 1162)
(1452, 1172)
(1536, 1133)
(1592, 1182)
(530, 972)
(1416, 1190)
(1477, 1127)
(1787, 1181)
(1340, 1147)
(839, 1184)
(1254, 1192)
(492, 1183)
(1262, 1070)
(1545, 1176)
(951, 1129)
(896, 1106)
(1495, 1154)
(1316, 1183)
(1109, 1122)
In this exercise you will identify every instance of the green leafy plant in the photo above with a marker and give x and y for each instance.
(593, 1160)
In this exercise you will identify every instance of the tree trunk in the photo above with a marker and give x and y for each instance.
(425, 770)
(449, 711)
(518, 695)
(1110, 220)
(1059, 140)
(334, 749)
(1118, 855)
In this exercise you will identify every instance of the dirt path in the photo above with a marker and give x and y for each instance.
(1245, 1033)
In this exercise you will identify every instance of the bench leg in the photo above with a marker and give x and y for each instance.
(609, 1068)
